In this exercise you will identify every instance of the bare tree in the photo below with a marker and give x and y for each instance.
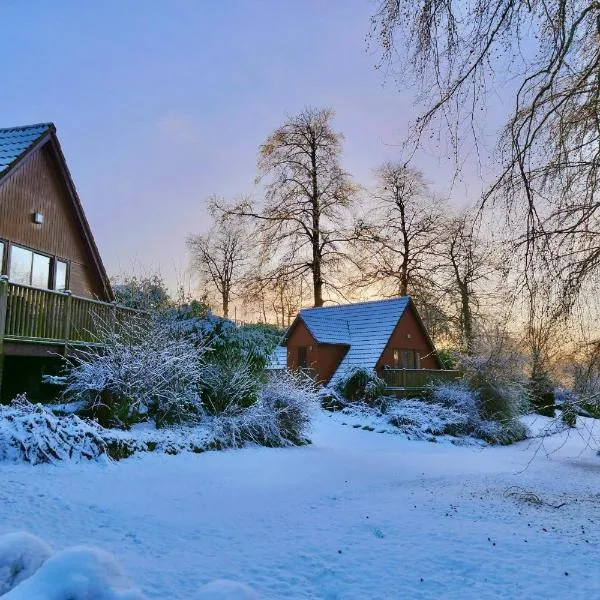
(393, 247)
(220, 256)
(458, 51)
(470, 263)
(306, 194)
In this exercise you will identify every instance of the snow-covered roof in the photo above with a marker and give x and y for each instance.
(365, 326)
(17, 140)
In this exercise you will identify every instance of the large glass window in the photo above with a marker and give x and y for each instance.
(20, 265)
(60, 276)
(29, 268)
(40, 271)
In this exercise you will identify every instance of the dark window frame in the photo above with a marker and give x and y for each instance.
(401, 358)
(4, 257)
(54, 259)
(67, 264)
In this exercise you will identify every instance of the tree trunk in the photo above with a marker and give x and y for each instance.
(316, 234)
(225, 305)
(466, 319)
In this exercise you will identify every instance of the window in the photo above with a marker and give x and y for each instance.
(1, 258)
(302, 357)
(60, 275)
(406, 359)
(29, 268)
(40, 271)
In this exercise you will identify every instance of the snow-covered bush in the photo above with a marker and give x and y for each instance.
(460, 397)
(457, 395)
(280, 417)
(360, 384)
(31, 433)
(499, 384)
(229, 383)
(224, 589)
(21, 555)
(252, 343)
(141, 370)
(418, 418)
(77, 573)
(501, 433)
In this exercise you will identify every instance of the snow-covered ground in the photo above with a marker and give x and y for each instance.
(358, 514)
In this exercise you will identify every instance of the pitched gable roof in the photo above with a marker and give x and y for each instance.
(365, 327)
(16, 141)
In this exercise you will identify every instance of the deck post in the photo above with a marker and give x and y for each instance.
(3, 312)
(67, 323)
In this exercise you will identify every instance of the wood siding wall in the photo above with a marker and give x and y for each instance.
(322, 358)
(408, 335)
(37, 186)
(301, 337)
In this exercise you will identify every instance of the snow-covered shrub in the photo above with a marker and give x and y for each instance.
(457, 395)
(143, 293)
(360, 384)
(229, 383)
(77, 573)
(499, 384)
(224, 589)
(570, 404)
(31, 433)
(460, 397)
(21, 555)
(501, 433)
(142, 369)
(252, 343)
(453, 415)
(280, 417)
(419, 418)
(541, 393)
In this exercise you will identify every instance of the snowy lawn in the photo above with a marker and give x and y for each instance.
(358, 514)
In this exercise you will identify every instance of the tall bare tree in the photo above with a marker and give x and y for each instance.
(470, 264)
(306, 193)
(393, 247)
(220, 256)
(548, 52)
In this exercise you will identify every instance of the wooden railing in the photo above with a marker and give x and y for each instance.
(35, 315)
(416, 379)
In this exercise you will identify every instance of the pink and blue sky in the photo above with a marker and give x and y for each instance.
(159, 104)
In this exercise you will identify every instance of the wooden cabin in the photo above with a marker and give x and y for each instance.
(388, 336)
(52, 280)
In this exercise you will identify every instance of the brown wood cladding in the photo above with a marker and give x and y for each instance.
(301, 337)
(409, 325)
(322, 358)
(36, 186)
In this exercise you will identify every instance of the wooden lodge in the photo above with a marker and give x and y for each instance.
(53, 285)
(387, 336)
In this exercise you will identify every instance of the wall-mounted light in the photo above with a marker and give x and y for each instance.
(408, 336)
(38, 218)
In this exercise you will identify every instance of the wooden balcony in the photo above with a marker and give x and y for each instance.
(416, 380)
(34, 321)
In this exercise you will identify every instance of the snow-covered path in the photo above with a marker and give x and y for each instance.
(356, 515)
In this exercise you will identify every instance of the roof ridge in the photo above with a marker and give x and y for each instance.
(47, 125)
(362, 302)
